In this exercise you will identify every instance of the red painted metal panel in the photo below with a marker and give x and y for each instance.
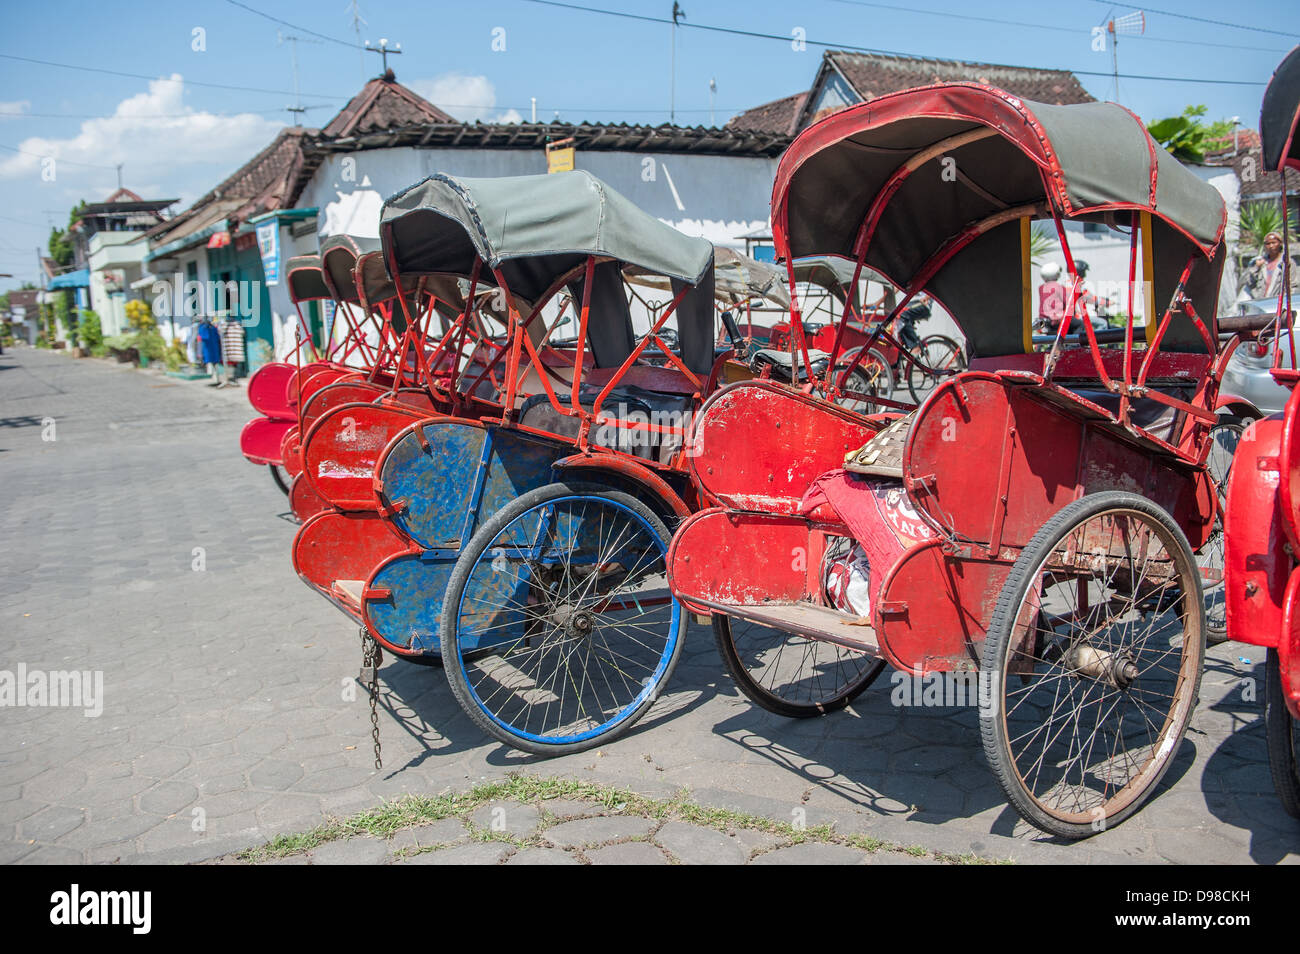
(291, 452)
(343, 445)
(417, 398)
(343, 391)
(324, 378)
(261, 440)
(758, 446)
(266, 390)
(992, 462)
(1288, 647)
(739, 558)
(1256, 566)
(938, 609)
(1289, 465)
(300, 375)
(304, 501)
(343, 546)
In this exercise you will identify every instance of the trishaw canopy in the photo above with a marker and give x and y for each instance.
(306, 279)
(538, 232)
(1279, 114)
(339, 255)
(937, 185)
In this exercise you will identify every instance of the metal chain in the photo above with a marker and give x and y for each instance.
(371, 659)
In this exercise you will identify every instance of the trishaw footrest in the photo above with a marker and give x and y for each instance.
(349, 592)
(806, 619)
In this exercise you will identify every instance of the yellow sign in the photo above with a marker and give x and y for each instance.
(559, 156)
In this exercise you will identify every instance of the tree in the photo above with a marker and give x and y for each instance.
(1187, 137)
(1259, 218)
(60, 248)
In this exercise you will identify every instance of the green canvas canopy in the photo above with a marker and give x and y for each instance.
(909, 174)
(536, 229)
(737, 278)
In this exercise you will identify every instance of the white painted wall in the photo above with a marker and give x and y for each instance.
(719, 198)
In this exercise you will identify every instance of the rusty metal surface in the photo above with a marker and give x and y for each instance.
(343, 446)
(343, 546)
(344, 391)
(758, 446)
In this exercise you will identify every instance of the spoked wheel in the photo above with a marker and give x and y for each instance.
(939, 358)
(558, 628)
(792, 675)
(1092, 664)
(1224, 437)
(1283, 739)
(872, 377)
(281, 477)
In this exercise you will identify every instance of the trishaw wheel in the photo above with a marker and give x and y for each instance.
(792, 675)
(939, 357)
(1283, 739)
(1224, 437)
(1092, 664)
(558, 627)
(873, 377)
(281, 477)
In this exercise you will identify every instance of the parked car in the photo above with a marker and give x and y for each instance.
(1247, 374)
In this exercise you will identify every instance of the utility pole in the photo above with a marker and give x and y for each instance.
(383, 50)
(713, 95)
(678, 13)
(119, 175)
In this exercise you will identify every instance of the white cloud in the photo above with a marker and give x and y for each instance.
(13, 109)
(156, 136)
(468, 98)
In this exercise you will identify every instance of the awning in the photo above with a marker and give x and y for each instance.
(78, 279)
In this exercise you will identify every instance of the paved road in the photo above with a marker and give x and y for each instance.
(225, 718)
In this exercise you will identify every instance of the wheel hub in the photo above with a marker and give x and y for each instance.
(1118, 669)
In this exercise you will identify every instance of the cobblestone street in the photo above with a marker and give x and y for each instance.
(139, 543)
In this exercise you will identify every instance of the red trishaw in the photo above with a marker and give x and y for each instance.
(1262, 522)
(1029, 531)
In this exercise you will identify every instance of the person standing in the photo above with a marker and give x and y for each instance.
(1264, 276)
(232, 348)
(210, 351)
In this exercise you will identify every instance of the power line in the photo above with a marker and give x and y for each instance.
(1021, 25)
(267, 16)
(71, 162)
(143, 76)
(257, 112)
(734, 31)
(1222, 23)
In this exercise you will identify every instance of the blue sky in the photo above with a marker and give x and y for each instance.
(179, 139)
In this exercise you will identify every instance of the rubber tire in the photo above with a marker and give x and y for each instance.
(455, 589)
(885, 383)
(916, 379)
(772, 702)
(1215, 636)
(278, 476)
(1280, 730)
(992, 728)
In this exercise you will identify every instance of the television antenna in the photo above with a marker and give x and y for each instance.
(1130, 24)
(297, 109)
(357, 22)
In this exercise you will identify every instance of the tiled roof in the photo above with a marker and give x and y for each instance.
(1255, 182)
(874, 74)
(778, 116)
(23, 297)
(383, 104)
(267, 182)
